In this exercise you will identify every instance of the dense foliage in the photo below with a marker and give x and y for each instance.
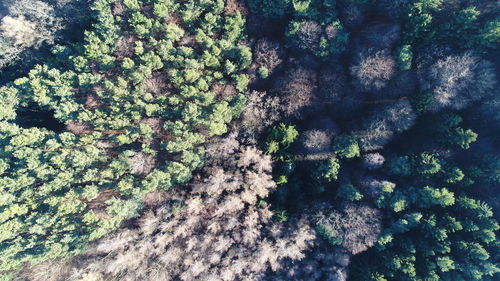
(137, 100)
(258, 140)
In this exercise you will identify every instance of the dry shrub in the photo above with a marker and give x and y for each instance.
(92, 102)
(223, 90)
(118, 8)
(158, 84)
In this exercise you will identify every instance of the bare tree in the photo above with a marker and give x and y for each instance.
(316, 141)
(261, 111)
(268, 54)
(373, 161)
(381, 36)
(141, 163)
(216, 232)
(355, 226)
(27, 24)
(296, 89)
(371, 70)
(383, 123)
(456, 81)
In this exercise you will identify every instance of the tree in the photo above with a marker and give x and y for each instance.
(268, 54)
(296, 88)
(355, 227)
(405, 56)
(316, 141)
(372, 70)
(281, 136)
(456, 81)
(373, 161)
(346, 146)
(326, 171)
(93, 174)
(184, 248)
(27, 24)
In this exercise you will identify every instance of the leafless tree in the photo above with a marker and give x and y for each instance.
(380, 126)
(372, 187)
(268, 53)
(316, 141)
(373, 161)
(381, 36)
(357, 226)
(296, 89)
(308, 36)
(27, 24)
(142, 163)
(371, 70)
(261, 111)
(352, 15)
(456, 81)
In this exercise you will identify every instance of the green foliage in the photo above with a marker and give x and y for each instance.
(322, 41)
(281, 136)
(313, 26)
(276, 8)
(349, 192)
(326, 171)
(346, 146)
(399, 166)
(447, 131)
(422, 102)
(426, 164)
(405, 57)
(436, 233)
(422, 29)
(282, 216)
(263, 72)
(137, 113)
(329, 234)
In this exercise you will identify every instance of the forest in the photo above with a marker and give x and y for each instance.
(227, 140)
